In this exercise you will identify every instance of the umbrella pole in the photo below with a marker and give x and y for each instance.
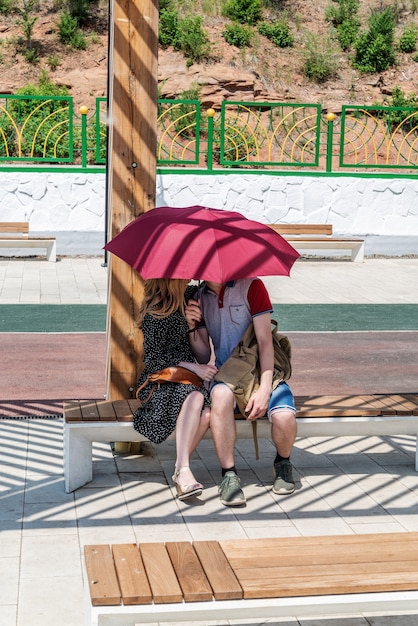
(133, 92)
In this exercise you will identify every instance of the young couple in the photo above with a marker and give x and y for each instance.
(180, 325)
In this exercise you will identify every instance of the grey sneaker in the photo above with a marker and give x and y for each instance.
(283, 483)
(230, 492)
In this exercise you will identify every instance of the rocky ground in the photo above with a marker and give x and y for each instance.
(264, 72)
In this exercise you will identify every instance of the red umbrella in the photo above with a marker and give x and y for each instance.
(202, 243)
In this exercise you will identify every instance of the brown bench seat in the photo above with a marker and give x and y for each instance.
(320, 236)
(250, 578)
(86, 421)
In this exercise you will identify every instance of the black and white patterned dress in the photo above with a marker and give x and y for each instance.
(166, 343)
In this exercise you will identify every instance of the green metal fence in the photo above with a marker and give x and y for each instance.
(267, 136)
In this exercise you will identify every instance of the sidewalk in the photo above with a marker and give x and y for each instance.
(75, 280)
(344, 485)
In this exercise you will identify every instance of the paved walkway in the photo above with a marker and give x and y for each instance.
(84, 281)
(344, 485)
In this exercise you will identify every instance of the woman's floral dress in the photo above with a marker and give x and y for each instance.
(166, 343)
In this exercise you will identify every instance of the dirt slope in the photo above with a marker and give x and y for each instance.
(265, 71)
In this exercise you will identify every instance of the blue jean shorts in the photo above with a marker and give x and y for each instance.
(281, 398)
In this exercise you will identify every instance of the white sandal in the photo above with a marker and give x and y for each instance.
(184, 492)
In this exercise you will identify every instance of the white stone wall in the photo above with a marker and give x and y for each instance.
(72, 205)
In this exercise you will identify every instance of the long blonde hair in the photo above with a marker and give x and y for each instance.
(162, 296)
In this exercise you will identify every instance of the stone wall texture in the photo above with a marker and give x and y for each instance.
(72, 206)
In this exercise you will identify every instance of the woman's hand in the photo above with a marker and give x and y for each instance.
(206, 372)
(192, 313)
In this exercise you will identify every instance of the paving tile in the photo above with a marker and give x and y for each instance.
(51, 601)
(9, 580)
(8, 614)
(119, 532)
(46, 489)
(10, 544)
(60, 552)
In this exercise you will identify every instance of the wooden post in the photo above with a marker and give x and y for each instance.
(133, 89)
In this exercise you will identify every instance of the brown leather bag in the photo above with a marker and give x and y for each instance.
(169, 375)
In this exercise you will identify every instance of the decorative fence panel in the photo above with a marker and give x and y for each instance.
(35, 128)
(271, 136)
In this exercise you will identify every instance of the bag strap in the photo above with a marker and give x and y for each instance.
(144, 384)
(254, 425)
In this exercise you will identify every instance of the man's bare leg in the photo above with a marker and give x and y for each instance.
(222, 424)
(283, 433)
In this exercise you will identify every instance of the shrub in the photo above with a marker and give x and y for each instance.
(408, 39)
(278, 32)
(345, 10)
(192, 39)
(320, 58)
(67, 27)
(374, 51)
(238, 35)
(79, 9)
(31, 56)
(54, 61)
(347, 33)
(6, 6)
(396, 117)
(243, 11)
(168, 27)
(186, 35)
(69, 33)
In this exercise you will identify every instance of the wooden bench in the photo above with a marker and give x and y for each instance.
(16, 235)
(250, 578)
(319, 236)
(86, 421)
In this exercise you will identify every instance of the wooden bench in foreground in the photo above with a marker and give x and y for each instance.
(16, 235)
(86, 421)
(319, 236)
(250, 578)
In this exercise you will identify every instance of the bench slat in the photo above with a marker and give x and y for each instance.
(14, 227)
(72, 411)
(327, 240)
(106, 411)
(102, 580)
(218, 570)
(131, 574)
(123, 410)
(336, 406)
(372, 581)
(319, 554)
(161, 575)
(302, 229)
(189, 571)
(89, 411)
(404, 406)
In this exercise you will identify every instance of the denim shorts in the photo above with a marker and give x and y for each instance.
(281, 398)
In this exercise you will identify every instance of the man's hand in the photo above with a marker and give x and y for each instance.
(257, 404)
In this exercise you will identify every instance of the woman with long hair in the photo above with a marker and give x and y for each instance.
(179, 406)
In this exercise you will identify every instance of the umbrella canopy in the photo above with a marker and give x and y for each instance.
(202, 243)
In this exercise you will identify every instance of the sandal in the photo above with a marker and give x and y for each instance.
(184, 492)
